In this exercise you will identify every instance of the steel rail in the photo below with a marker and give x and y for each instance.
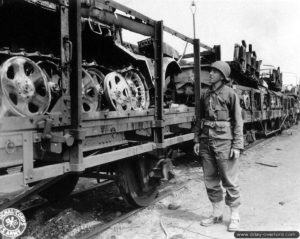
(35, 189)
(101, 228)
(73, 194)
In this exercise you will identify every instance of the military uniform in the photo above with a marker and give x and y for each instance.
(220, 128)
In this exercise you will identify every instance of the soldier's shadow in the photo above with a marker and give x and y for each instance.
(182, 214)
(185, 217)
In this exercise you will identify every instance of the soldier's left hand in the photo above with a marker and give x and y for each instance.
(234, 153)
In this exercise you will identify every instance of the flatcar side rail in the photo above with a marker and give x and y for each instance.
(16, 179)
(102, 115)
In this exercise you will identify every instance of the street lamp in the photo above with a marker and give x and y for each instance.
(193, 10)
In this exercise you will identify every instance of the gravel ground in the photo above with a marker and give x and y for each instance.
(73, 216)
(270, 188)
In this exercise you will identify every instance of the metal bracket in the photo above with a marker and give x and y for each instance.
(95, 26)
(161, 145)
(54, 141)
(27, 156)
(78, 134)
(68, 45)
(47, 129)
(159, 124)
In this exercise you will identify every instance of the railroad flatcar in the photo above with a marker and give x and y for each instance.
(78, 101)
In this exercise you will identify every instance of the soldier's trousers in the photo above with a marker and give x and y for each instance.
(217, 168)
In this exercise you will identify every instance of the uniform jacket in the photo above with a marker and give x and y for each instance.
(220, 116)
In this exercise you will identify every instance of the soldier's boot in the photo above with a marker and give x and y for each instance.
(216, 217)
(234, 219)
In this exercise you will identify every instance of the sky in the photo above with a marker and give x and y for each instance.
(271, 26)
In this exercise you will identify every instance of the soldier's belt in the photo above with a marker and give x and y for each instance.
(214, 124)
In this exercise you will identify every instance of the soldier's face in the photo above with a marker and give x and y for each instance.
(215, 76)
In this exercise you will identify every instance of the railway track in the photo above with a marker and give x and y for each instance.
(43, 203)
(102, 227)
(35, 209)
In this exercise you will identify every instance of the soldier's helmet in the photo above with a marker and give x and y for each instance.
(223, 67)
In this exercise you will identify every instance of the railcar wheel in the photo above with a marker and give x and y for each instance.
(277, 125)
(60, 189)
(273, 124)
(266, 126)
(24, 87)
(135, 185)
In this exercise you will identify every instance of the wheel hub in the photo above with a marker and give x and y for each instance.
(24, 87)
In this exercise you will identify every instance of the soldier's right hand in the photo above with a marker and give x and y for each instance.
(196, 148)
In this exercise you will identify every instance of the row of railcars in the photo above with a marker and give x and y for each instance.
(266, 108)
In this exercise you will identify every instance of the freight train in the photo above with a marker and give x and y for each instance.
(266, 108)
(76, 100)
